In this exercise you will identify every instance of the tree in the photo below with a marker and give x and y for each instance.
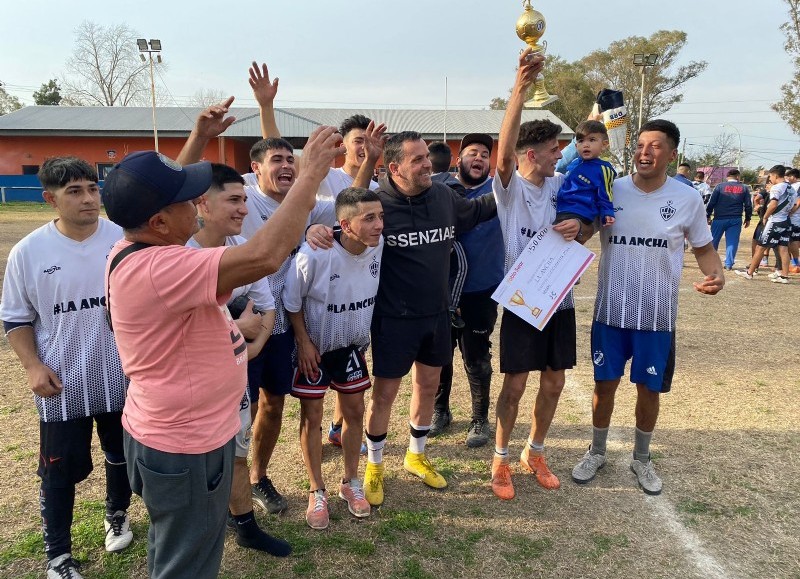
(789, 106)
(105, 68)
(48, 94)
(8, 102)
(205, 97)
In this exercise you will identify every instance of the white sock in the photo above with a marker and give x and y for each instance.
(375, 451)
(416, 444)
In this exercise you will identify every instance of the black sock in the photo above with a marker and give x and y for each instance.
(250, 536)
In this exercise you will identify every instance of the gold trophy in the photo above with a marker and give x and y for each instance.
(519, 300)
(530, 28)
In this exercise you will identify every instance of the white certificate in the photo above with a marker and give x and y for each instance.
(541, 277)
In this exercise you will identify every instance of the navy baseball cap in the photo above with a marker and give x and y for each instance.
(472, 138)
(145, 182)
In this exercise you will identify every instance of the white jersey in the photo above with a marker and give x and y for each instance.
(336, 181)
(795, 217)
(783, 194)
(524, 209)
(260, 208)
(258, 291)
(336, 290)
(642, 255)
(57, 283)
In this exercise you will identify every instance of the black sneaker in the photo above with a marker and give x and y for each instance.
(441, 420)
(63, 567)
(478, 433)
(266, 497)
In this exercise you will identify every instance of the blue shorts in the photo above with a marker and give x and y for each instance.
(653, 355)
(273, 368)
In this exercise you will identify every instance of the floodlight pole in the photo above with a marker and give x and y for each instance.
(643, 61)
(153, 46)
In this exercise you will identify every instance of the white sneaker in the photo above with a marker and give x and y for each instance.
(774, 274)
(779, 279)
(587, 468)
(646, 475)
(743, 273)
(63, 567)
(118, 531)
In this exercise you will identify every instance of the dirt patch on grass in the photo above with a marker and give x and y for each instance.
(726, 447)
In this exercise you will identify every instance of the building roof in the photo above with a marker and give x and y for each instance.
(292, 123)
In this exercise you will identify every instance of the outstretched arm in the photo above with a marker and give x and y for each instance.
(264, 92)
(530, 65)
(211, 123)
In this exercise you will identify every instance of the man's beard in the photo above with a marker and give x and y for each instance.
(469, 180)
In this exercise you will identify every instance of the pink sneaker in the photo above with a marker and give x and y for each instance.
(317, 511)
(353, 493)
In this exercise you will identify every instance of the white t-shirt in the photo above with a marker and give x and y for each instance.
(524, 209)
(258, 291)
(642, 255)
(336, 290)
(335, 182)
(260, 208)
(57, 283)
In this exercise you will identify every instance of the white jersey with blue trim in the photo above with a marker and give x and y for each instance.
(642, 255)
(336, 291)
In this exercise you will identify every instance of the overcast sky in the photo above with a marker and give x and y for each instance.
(381, 53)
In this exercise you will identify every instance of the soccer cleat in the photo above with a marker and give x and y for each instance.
(502, 487)
(536, 464)
(266, 497)
(779, 279)
(373, 483)
(440, 421)
(353, 493)
(478, 433)
(587, 468)
(317, 512)
(418, 465)
(743, 273)
(118, 531)
(335, 437)
(646, 475)
(63, 567)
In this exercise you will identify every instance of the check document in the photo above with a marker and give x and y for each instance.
(539, 280)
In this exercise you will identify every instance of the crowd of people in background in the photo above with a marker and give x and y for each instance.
(180, 338)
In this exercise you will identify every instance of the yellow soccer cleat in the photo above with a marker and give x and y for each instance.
(418, 465)
(373, 484)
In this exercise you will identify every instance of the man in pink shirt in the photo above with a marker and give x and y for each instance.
(185, 357)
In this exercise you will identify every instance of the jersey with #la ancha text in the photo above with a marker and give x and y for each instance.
(260, 208)
(57, 284)
(524, 209)
(336, 290)
(642, 255)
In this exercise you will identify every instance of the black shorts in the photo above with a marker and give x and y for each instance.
(65, 448)
(523, 348)
(399, 342)
(775, 234)
(273, 368)
(343, 370)
(795, 235)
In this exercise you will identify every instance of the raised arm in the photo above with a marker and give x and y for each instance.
(374, 139)
(264, 253)
(264, 92)
(530, 65)
(211, 123)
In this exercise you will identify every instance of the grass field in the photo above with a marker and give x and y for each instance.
(727, 447)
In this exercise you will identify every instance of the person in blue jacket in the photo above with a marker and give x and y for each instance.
(586, 191)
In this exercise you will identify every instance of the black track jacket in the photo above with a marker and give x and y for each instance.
(419, 233)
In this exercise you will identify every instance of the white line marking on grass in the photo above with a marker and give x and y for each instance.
(660, 507)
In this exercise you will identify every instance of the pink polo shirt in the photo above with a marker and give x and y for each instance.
(186, 359)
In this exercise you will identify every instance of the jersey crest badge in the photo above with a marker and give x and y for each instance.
(667, 211)
(598, 358)
(374, 267)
